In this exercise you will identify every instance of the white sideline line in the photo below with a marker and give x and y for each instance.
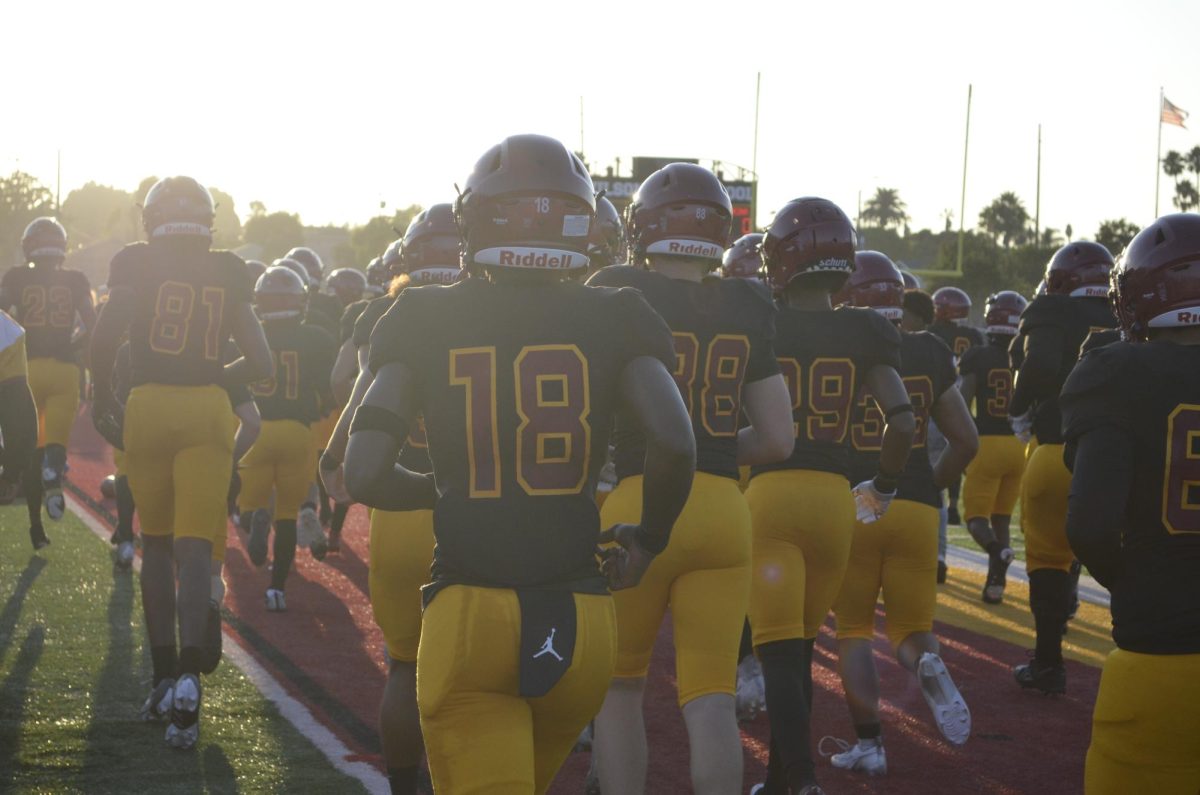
(1089, 589)
(292, 710)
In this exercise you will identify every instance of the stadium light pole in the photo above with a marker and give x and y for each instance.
(962, 207)
(754, 152)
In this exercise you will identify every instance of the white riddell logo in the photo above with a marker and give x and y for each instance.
(548, 647)
(699, 249)
(1187, 316)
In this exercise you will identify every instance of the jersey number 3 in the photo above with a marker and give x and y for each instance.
(552, 399)
(174, 314)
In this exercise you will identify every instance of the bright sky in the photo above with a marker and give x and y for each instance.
(328, 109)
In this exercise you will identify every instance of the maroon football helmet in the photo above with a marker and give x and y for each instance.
(1156, 283)
(44, 242)
(951, 304)
(681, 210)
(606, 243)
(429, 251)
(390, 261)
(294, 267)
(377, 275)
(279, 293)
(743, 260)
(1002, 312)
(528, 205)
(348, 284)
(255, 269)
(1080, 269)
(809, 236)
(311, 262)
(178, 206)
(911, 282)
(876, 283)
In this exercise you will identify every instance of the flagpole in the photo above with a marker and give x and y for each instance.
(754, 155)
(962, 207)
(1158, 156)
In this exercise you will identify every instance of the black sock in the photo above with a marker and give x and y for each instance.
(191, 660)
(322, 498)
(163, 660)
(56, 458)
(125, 509)
(809, 644)
(284, 552)
(993, 548)
(1049, 595)
(33, 488)
(403, 780)
(788, 713)
(747, 646)
(339, 518)
(868, 731)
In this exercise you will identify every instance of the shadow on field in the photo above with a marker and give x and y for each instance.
(219, 775)
(117, 692)
(16, 600)
(13, 694)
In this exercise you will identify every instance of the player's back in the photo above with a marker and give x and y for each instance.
(825, 356)
(722, 329)
(993, 385)
(303, 357)
(46, 299)
(1152, 390)
(959, 338)
(184, 297)
(518, 384)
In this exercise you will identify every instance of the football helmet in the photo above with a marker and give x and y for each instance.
(390, 261)
(911, 281)
(348, 284)
(255, 268)
(528, 205)
(876, 283)
(429, 249)
(376, 275)
(279, 293)
(809, 236)
(681, 210)
(311, 262)
(743, 260)
(1002, 312)
(606, 242)
(951, 304)
(1080, 269)
(178, 206)
(1156, 283)
(294, 267)
(44, 242)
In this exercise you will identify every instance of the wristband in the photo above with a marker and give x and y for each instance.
(905, 408)
(374, 418)
(886, 484)
(652, 543)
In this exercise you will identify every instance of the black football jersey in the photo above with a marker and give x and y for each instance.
(45, 301)
(825, 356)
(518, 387)
(300, 388)
(927, 367)
(184, 297)
(371, 313)
(959, 339)
(1152, 390)
(993, 385)
(723, 331)
(1066, 322)
(349, 317)
(1100, 338)
(122, 374)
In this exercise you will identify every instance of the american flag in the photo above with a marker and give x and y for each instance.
(1172, 114)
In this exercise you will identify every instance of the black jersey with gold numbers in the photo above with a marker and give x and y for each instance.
(993, 385)
(122, 372)
(959, 339)
(723, 331)
(825, 356)
(349, 316)
(370, 315)
(1152, 391)
(184, 297)
(300, 388)
(927, 368)
(518, 385)
(45, 301)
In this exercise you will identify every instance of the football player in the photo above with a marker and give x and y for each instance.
(518, 372)
(46, 299)
(401, 542)
(323, 307)
(679, 225)
(1052, 329)
(1131, 411)
(803, 508)
(743, 260)
(180, 301)
(18, 414)
(282, 460)
(993, 479)
(898, 553)
(606, 242)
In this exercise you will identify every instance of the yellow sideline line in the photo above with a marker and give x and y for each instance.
(1089, 640)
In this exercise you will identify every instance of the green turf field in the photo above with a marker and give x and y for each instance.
(75, 668)
(959, 537)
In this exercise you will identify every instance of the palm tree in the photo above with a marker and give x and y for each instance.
(886, 209)
(1186, 196)
(1192, 158)
(1006, 218)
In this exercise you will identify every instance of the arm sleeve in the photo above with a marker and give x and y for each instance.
(1039, 370)
(763, 363)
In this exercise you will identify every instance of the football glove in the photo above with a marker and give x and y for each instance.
(110, 423)
(1022, 426)
(869, 502)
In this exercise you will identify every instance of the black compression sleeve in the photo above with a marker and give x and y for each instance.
(1099, 494)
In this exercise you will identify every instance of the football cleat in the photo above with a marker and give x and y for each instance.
(751, 694)
(158, 703)
(997, 577)
(335, 542)
(807, 789)
(212, 645)
(942, 572)
(184, 729)
(950, 711)
(108, 487)
(260, 531)
(1050, 679)
(310, 534)
(584, 742)
(124, 555)
(276, 601)
(865, 756)
(37, 536)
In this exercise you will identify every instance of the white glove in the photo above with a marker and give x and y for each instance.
(335, 484)
(871, 503)
(1022, 426)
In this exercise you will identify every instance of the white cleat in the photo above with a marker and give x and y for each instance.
(125, 554)
(950, 711)
(865, 756)
(184, 729)
(751, 695)
(158, 703)
(310, 534)
(276, 602)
